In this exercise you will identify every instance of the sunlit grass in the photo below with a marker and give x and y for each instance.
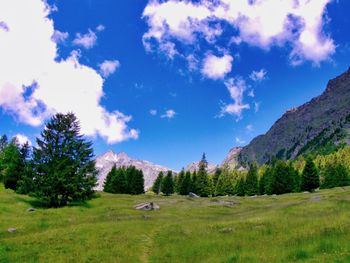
(288, 228)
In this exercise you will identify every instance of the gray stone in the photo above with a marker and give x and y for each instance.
(11, 230)
(31, 209)
(306, 192)
(315, 199)
(193, 195)
(147, 206)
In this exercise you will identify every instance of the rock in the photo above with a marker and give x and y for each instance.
(11, 230)
(306, 192)
(315, 199)
(193, 195)
(147, 206)
(254, 196)
(228, 203)
(31, 209)
(274, 195)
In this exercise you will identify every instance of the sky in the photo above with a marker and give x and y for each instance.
(166, 80)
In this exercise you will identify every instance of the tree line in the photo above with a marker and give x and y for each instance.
(278, 177)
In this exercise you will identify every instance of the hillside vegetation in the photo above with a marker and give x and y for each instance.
(288, 228)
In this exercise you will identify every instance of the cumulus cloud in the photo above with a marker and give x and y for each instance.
(59, 37)
(258, 76)
(217, 67)
(87, 40)
(169, 114)
(108, 67)
(296, 25)
(22, 139)
(35, 83)
(153, 112)
(236, 88)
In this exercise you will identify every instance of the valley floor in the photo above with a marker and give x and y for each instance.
(289, 228)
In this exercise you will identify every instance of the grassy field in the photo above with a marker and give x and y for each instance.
(290, 228)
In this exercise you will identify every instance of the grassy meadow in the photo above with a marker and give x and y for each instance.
(289, 228)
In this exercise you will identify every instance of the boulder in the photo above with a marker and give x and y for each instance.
(11, 230)
(147, 206)
(31, 209)
(193, 195)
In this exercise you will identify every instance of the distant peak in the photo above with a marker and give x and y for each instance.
(123, 155)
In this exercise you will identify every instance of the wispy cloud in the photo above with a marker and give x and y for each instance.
(258, 76)
(108, 67)
(169, 114)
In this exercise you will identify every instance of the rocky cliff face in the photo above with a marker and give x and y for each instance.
(105, 162)
(322, 122)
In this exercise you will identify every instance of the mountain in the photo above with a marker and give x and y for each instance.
(319, 125)
(195, 165)
(105, 162)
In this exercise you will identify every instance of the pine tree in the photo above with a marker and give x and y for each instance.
(63, 163)
(135, 181)
(310, 179)
(120, 182)
(216, 176)
(264, 180)
(240, 187)
(12, 165)
(185, 186)
(225, 184)
(202, 182)
(194, 182)
(178, 180)
(108, 187)
(251, 181)
(336, 175)
(168, 184)
(156, 188)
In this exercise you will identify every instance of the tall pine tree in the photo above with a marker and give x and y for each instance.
(63, 163)
(251, 181)
(156, 188)
(310, 179)
(202, 183)
(168, 184)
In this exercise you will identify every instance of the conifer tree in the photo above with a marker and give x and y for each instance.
(202, 183)
(12, 165)
(264, 181)
(336, 175)
(63, 163)
(108, 185)
(168, 184)
(178, 180)
(216, 176)
(156, 188)
(194, 182)
(251, 181)
(185, 186)
(225, 184)
(240, 187)
(310, 179)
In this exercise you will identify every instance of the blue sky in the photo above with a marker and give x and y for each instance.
(153, 78)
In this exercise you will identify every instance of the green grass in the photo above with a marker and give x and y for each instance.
(287, 228)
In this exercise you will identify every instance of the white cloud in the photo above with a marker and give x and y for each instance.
(100, 28)
(108, 67)
(59, 37)
(256, 106)
(258, 76)
(153, 112)
(87, 40)
(249, 128)
(240, 141)
(296, 25)
(169, 114)
(236, 88)
(217, 67)
(22, 139)
(35, 82)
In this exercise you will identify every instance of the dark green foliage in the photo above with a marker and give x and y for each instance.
(135, 181)
(203, 186)
(240, 187)
(283, 179)
(156, 188)
(185, 186)
(124, 181)
(3, 142)
(168, 184)
(178, 180)
(216, 175)
(194, 182)
(251, 181)
(11, 165)
(310, 179)
(264, 181)
(336, 175)
(63, 163)
(225, 184)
